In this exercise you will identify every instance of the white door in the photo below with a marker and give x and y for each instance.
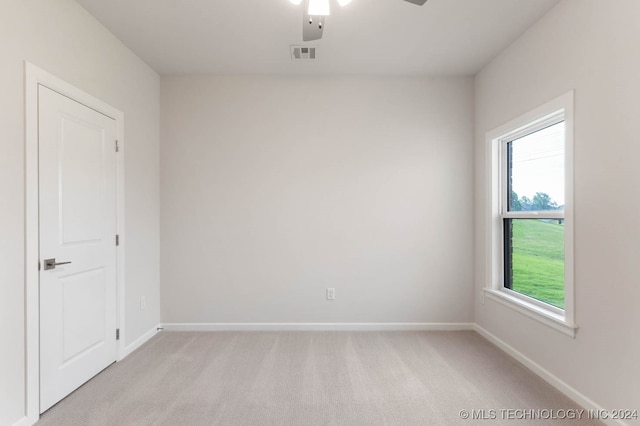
(77, 190)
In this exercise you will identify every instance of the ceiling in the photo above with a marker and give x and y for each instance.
(391, 37)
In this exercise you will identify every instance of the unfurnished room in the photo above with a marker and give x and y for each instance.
(319, 212)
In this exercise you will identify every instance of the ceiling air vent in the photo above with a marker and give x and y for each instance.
(302, 52)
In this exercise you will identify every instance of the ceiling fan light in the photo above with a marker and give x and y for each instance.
(319, 8)
(344, 2)
(296, 2)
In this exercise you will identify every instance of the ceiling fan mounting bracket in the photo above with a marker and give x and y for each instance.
(312, 32)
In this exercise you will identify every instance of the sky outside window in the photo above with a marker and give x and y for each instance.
(538, 164)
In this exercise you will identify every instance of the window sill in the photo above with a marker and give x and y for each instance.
(545, 316)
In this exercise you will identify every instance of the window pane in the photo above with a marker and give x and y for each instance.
(535, 170)
(534, 258)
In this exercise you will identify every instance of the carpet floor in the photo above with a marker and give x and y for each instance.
(316, 378)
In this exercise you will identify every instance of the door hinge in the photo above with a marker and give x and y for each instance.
(39, 266)
(117, 146)
(117, 239)
(117, 334)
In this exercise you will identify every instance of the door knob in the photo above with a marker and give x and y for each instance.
(51, 264)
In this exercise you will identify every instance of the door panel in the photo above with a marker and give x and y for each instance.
(77, 190)
(84, 320)
(81, 181)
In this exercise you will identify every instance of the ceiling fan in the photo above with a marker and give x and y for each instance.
(315, 12)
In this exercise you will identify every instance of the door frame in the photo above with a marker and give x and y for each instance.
(34, 77)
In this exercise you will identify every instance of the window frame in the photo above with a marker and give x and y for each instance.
(553, 112)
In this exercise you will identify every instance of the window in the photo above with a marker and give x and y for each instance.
(531, 222)
(533, 212)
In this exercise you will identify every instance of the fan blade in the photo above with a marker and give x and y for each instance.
(418, 2)
(312, 27)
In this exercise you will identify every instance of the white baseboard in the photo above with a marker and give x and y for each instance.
(139, 341)
(550, 378)
(316, 326)
(22, 422)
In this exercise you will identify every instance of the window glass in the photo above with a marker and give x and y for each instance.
(536, 170)
(534, 247)
(534, 258)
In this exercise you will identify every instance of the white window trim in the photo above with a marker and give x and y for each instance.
(562, 320)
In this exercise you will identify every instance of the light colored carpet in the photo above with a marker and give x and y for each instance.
(312, 378)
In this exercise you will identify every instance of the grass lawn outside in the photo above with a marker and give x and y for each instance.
(538, 260)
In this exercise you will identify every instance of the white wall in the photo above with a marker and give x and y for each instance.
(63, 39)
(590, 46)
(274, 189)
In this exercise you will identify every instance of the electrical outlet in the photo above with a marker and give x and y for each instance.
(331, 294)
(143, 303)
